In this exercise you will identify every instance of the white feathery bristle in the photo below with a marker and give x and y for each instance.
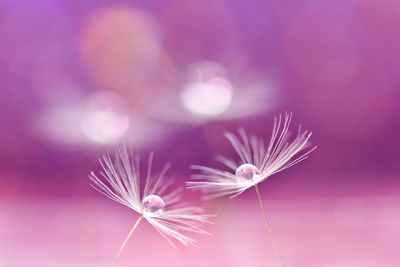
(279, 155)
(120, 181)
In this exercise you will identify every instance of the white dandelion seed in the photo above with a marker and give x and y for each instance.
(257, 163)
(120, 181)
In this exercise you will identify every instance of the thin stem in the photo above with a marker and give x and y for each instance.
(269, 226)
(126, 240)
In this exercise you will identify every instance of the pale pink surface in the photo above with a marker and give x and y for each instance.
(358, 229)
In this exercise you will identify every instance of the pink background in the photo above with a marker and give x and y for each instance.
(77, 77)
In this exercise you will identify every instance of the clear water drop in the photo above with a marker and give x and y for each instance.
(247, 172)
(153, 205)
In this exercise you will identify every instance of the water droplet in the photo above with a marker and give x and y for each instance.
(247, 172)
(153, 205)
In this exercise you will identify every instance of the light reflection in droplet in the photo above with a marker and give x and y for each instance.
(247, 173)
(153, 205)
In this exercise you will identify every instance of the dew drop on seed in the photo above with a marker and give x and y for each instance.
(153, 204)
(247, 172)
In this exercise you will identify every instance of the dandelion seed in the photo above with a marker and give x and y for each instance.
(257, 163)
(120, 181)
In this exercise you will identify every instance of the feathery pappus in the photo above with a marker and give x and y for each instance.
(119, 180)
(257, 162)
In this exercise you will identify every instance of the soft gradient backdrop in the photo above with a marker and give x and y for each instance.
(78, 77)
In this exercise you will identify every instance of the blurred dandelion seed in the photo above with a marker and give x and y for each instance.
(121, 182)
(257, 163)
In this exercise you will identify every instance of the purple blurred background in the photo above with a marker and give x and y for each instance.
(78, 77)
